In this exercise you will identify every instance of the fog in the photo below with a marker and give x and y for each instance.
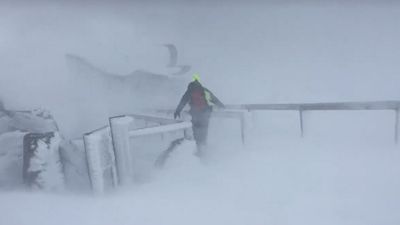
(292, 52)
(345, 171)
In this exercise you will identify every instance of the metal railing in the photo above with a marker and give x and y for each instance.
(108, 150)
(100, 159)
(238, 114)
(302, 107)
(122, 134)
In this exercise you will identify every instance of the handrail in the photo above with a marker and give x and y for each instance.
(96, 130)
(370, 105)
(156, 130)
(156, 119)
(122, 134)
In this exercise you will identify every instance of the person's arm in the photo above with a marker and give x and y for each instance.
(184, 100)
(215, 100)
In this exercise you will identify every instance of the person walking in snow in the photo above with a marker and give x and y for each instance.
(201, 102)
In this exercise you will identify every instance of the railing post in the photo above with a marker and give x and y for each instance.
(396, 126)
(121, 144)
(242, 129)
(245, 125)
(100, 160)
(301, 123)
(93, 161)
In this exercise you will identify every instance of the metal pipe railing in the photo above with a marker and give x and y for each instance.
(302, 107)
(371, 105)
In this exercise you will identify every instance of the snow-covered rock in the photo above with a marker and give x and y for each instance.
(42, 164)
(38, 121)
(11, 148)
(40, 158)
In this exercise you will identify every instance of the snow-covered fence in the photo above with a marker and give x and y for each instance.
(123, 130)
(242, 116)
(100, 159)
(303, 107)
(121, 144)
(110, 152)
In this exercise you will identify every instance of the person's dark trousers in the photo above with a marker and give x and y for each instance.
(200, 121)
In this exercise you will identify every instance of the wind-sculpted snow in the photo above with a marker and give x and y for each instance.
(276, 178)
(287, 183)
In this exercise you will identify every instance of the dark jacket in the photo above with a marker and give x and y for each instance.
(207, 95)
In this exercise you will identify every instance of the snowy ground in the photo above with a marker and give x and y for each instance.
(275, 181)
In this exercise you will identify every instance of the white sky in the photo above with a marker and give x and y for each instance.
(265, 52)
